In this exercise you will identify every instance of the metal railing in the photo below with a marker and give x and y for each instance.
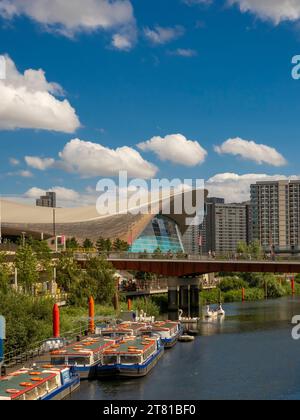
(196, 257)
(36, 351)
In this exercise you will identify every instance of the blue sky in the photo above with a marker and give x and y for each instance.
(207, 72)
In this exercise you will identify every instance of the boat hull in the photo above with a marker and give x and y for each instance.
(86, 373)
(169, 343)
(130, 371)
(63, 392)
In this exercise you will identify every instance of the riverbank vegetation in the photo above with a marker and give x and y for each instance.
(257, 286)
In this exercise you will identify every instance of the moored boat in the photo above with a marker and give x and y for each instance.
(45, 383)
(168, 331)
(84, 356)
(133, 357)
(186, 338)
(209, 314)
(121, 330)
(187, 319)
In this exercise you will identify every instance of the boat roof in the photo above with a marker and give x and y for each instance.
(163, 325)
(131, 344)
(126, 326)
(84, 347)
(30, 378)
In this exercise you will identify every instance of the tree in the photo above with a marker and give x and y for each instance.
(72, 244)
(98, 281)
(120, 246)
(242, 248)
(232, 283)
(255, 250)
(104, 245)
(103, 273)
(88, 244)
(4, 274)
(67, 271)
(43, 255)
(100, 245)
(108, 245)
(27, 265)
(28, 320)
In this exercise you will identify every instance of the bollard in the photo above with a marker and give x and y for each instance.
(56, 321)
(91, 315)
(243, 294)
(293, 285)
(129, 305)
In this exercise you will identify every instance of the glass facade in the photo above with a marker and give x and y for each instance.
(162, 233)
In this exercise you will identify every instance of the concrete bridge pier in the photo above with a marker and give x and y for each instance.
(183, 293)
(195, 300)
(184, 299)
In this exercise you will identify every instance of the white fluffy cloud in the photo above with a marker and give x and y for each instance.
(250, 150)
(66, 197)
(71, 17)
(39, 163)
(62, 193)
(92, 159)
(274, 10)
(28, 101)
(159, 35)
(176, 148)
(236, 188)
(22, 174)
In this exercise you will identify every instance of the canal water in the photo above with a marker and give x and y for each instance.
(248, 355)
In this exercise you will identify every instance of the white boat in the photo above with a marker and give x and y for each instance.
(142, 317)
(39, 383)
(210, 313)
(221, 311)
(168, 331)
(187, 320)
(186, 338)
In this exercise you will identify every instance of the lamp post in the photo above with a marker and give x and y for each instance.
(23, 238)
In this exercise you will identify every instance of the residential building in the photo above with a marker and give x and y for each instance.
(275, 207)
(48, 200)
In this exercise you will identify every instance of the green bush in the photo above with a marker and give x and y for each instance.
(147, 305)
(232, 283)
(28, 320)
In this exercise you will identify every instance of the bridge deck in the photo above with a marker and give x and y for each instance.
(190, 267)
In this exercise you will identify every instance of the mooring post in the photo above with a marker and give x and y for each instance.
(56, 321)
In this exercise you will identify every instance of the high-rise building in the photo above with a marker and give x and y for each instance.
(226, 226)
(48, 200)
(191, 240)
(275, 207)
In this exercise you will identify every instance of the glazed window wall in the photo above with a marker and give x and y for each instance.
(162, 233)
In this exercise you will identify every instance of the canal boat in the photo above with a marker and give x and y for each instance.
(133, 357)
(168, 331)
(84, 356)
(121, 330)
(38, 384)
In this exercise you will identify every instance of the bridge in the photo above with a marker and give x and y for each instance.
(193, 266)
(183, 274)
